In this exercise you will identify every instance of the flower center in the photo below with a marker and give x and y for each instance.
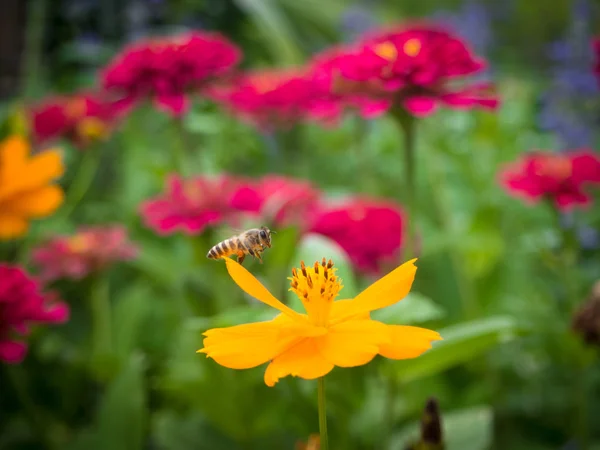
(76, 108)
(554, 166)
(92, 128)
(387, 51)
(412, 47)
(79, 244)
(317, 287)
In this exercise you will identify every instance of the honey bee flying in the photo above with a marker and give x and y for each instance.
(251, 242)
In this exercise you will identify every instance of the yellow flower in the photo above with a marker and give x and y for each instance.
(26, 191)
(332, 333)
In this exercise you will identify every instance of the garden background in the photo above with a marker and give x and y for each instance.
(105, 287)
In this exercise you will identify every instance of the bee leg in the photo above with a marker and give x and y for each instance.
(258, 256)
(240, 257)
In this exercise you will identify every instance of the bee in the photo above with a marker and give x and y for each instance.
(251, 242)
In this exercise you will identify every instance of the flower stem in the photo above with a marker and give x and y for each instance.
(322, 415)
(101, 320)
(84, 177)
(182, 151)
(407, 124)
(37, 418)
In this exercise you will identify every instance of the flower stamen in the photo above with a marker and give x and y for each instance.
(317, 287)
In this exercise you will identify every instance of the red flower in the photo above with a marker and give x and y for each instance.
(82, 118)
(89, 250)
(414, 67)
(271, 98)
(370, 231)
(21, 304)
(166, 68)
(557, 177)
(281, 200)
(596, 44)
(338, 93)
(191, 205)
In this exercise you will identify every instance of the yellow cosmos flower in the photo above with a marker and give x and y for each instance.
(26, 191)
(332, 333)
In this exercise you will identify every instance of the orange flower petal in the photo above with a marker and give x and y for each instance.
(46, 166)
(408, 342)
(12, 226)
(250, 345)
(302, 360)
(249, 284)
(13, 153)
(36, 203)
(353, 343)
(384, 292)
(13, 159)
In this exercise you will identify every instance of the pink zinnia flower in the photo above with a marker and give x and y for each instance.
(89, 250)
(370, 231)
(338, 94)
(81, 118)
(22, 303)
(270, 98)
(190, 205)
(556, 177)
(281, 200)
(414, 67)
(165, 69)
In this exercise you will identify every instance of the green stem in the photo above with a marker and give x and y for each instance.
(322, 415)
(569, 254)
(36, 417)
(84, 177)
(182, 152)
(101, 319)
(407, 124)
(360, 152)
(32, 66)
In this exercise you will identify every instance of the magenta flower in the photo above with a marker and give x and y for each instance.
(370, 231)
(280, 200)
(191, 205)
(271, 98)
(22, 303)
(90, 250)
(82, 118)
(415, 67)
(338, 94)
(559, 178)
(166, 69)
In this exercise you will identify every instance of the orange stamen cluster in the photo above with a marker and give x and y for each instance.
(555, 166)
(317, 287)
(412, 47)
(387, 50)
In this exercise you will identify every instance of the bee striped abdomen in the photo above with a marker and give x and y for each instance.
(225, 248)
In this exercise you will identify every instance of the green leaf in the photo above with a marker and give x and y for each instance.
(130, 312)
(121, 420)
(277, 31)
(415, 308)
(470, 428)
(314, 247)
(462, 342)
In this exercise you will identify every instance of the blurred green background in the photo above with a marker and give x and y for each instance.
(510, 373)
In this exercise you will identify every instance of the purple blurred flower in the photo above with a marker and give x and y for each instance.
(473, 23)
(357, 20)
(571, 107)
